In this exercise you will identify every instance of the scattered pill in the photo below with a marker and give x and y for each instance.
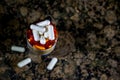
(51, 32)
(36, 35)
(24, 62)
(52, 63)
(42, 40)
(18, 48)
(43, 23)
(37, 28)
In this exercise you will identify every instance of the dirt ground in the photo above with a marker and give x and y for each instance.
(88, 46)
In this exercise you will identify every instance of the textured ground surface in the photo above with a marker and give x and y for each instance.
(88, 47)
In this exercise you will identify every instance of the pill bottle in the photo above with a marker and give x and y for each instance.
(42, 49)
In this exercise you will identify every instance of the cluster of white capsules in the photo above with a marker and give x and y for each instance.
(28, 60)
(43, 30)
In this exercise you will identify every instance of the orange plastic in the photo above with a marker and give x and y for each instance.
(37, 44)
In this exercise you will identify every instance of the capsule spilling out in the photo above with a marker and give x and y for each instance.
(43, 23)
(51, 32)
(52, 63)
(42, 40)
(24, 62)
(37, 28)
(18, 48)
(36, 35)
(46, 35)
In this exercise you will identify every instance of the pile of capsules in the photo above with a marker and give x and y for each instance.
(43, 30)
(28, 60)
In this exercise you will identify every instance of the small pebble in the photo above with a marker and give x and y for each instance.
(110, 17)
(103, 77)
(23, 11)
(17, 48)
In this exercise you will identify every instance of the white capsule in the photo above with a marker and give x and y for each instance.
(18, 48)
(24, 62)
(42, 40)
(46, 35)
(36, 35)
(41, 33)
(52, 63)
(51, 32)
(43, 23)
(37, 28)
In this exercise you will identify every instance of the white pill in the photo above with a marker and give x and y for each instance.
(18, 48)
(46, 35)
(37, 28)
(41, 33)
(42, 40)
(24, 62)
(52, 63)
(43, 23)
(36, 35)
(51, 32)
